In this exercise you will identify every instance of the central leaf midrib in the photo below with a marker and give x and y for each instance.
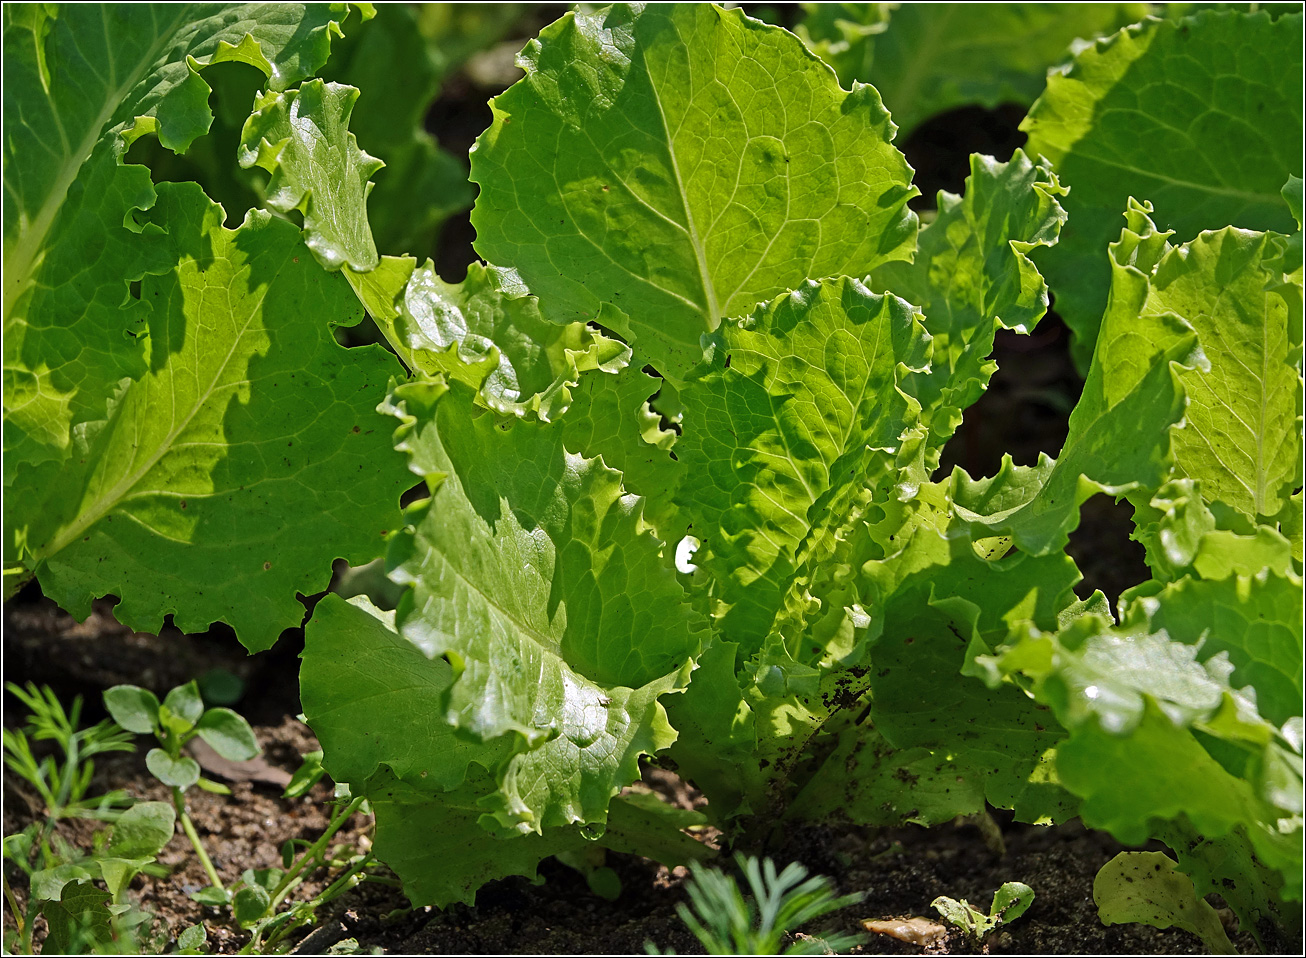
(696, 243)
(107, 502)
(1212, 189)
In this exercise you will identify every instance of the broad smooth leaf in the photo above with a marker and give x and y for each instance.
(80, 86)
(180, 772)
(143, 830)
(662, 168)
(185, 704)
(249, 904)
(1201, 116)
(928, 58)
(229, 735)
(252, 445)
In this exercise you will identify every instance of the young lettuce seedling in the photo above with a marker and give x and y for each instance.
(1009, 902)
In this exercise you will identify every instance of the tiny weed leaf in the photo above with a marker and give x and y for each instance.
(212, 787)
(961, 915)
(134, 708)
(250, 904)
(185, 703)
(1011, 901)
(308, 774)
(212, 896)
(143, 830)
(192, 939)
(229, 735)
(79, 921)
(180, 772)
(265, 878)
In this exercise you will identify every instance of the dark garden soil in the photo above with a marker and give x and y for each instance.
(900, 872)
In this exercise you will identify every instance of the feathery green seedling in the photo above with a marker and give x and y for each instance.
(728, 922)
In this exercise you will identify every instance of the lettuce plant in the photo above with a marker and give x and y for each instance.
(708, 323)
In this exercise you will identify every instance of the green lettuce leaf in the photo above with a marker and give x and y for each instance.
(871, 783)
(251, 445)
(1157, 735)
(413, 768)
(1119, 435)
(81, 86)
(662, 168)
(1201, 116)
(972, 276)
(398, 61)
(610, 416)
(928, 58)
(1182, 536)
(1145, 887)
(427, 785)
(1229, 867)
(532, 574)
(716, 745)
(1241, 435)
(302, 138)
(1255, 620)
(945, 603)
(488, 333)
(798, 408)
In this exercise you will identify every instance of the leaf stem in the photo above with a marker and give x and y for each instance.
(188, 827)
(23, 922)
(314, 851)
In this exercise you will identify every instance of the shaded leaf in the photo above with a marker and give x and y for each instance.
(1201, 116)
(926, 59)
(252, 446)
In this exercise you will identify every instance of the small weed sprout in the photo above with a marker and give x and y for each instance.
(728, 923)
(80, 916)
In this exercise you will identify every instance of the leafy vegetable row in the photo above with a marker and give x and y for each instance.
(709, 321)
